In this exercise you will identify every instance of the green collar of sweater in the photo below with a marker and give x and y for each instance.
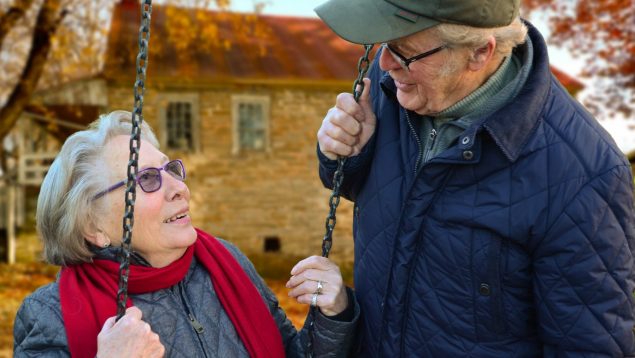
(477, 102)
(497, 91)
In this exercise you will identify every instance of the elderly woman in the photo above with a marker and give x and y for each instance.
(191, 295)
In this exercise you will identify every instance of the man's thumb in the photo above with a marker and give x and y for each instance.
(364, 99)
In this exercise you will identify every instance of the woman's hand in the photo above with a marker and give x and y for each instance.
(315, 271)
(128, 337)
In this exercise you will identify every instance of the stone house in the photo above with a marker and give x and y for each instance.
(242, 111)
(240, 102)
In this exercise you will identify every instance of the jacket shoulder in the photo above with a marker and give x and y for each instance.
(570, 124)
(39, 328)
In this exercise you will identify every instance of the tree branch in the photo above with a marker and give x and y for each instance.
(48, 20)
(11, 17)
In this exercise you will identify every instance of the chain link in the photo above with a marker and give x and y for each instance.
(133, 162)
(338, 177)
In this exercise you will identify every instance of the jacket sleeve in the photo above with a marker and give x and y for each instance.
(583, 272)
(332, 338)
(38, 329)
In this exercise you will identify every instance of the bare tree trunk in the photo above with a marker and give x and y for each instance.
(11, 17)
(48, 20)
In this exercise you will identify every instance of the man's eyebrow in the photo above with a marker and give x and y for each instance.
(401, 47)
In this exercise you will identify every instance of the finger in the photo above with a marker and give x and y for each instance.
(346, 103)
(306, 299)
(322, 301)
(365, 100)
(312, 262)
(306, 287)
(328, 278)
(331, 148)
(109, 323)
(345, 121)
(133, 312)
(154, 348)
(339, 134)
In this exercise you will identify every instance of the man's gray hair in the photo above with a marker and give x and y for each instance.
(65, 207)
(507, 37)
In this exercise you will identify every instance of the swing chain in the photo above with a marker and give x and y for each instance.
(133, 162)
(338, 177)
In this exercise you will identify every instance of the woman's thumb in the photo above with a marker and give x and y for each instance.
(109, 323)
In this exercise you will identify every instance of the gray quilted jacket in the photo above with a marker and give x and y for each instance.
(190, 321)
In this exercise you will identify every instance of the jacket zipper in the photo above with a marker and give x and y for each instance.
(198, 327)
(419, 145)
(433, 136)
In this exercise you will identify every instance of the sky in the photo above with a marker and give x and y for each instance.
(623, 131)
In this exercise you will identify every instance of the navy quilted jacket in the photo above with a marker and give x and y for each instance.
(517, 241)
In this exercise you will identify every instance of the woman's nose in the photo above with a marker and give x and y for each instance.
(175, 188)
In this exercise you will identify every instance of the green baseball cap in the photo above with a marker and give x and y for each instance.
(376, 21)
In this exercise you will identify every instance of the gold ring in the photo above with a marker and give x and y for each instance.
(319, 288)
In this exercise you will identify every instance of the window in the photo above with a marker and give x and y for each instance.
(272, 244)
(251, 123)
(179, 122)
(179, 125)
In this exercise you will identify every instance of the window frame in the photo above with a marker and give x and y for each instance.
(265, 102)
(164, 101)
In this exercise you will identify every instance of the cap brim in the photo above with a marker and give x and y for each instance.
(369, 22)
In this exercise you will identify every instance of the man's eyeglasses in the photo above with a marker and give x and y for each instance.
(405, 62)
(149, 179)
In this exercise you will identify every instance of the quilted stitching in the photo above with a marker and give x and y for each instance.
(39, 328)
(549, 231)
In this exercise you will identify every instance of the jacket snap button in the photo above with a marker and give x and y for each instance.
(484, 289)
(465, 140)
(468, 155)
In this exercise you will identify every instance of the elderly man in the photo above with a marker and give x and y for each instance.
(493, 215)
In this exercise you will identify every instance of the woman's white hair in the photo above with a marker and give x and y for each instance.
(65, 207)
(461, 36)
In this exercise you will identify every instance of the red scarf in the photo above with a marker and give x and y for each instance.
(88, 297)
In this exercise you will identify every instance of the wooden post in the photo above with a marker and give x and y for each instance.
(11, 223)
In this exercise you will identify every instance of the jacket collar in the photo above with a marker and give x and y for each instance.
(512, 125)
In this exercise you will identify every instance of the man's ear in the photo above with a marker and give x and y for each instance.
(97, 237)
(482, 56)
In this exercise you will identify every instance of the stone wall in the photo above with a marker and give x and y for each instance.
(250, 196)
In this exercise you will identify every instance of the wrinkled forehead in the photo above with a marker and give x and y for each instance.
(117, 155)
(417, 41)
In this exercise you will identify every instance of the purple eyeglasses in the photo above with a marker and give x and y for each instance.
(149, 179)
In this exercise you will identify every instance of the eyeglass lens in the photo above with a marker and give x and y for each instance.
(150, 179)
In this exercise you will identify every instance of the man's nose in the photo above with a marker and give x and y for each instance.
(387, 62)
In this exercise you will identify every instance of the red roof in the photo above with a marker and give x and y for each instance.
(205, 46)
(570, 83)
(246, 46)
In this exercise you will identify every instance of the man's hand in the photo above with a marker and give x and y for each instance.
(348, 126)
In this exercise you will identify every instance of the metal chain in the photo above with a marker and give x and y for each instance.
(358, 87)
(133, 162)
(338, 177)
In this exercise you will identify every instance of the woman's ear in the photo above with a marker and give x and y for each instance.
(481, 56)
(97, 238)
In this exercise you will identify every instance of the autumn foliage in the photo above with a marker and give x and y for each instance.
(603, 33)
